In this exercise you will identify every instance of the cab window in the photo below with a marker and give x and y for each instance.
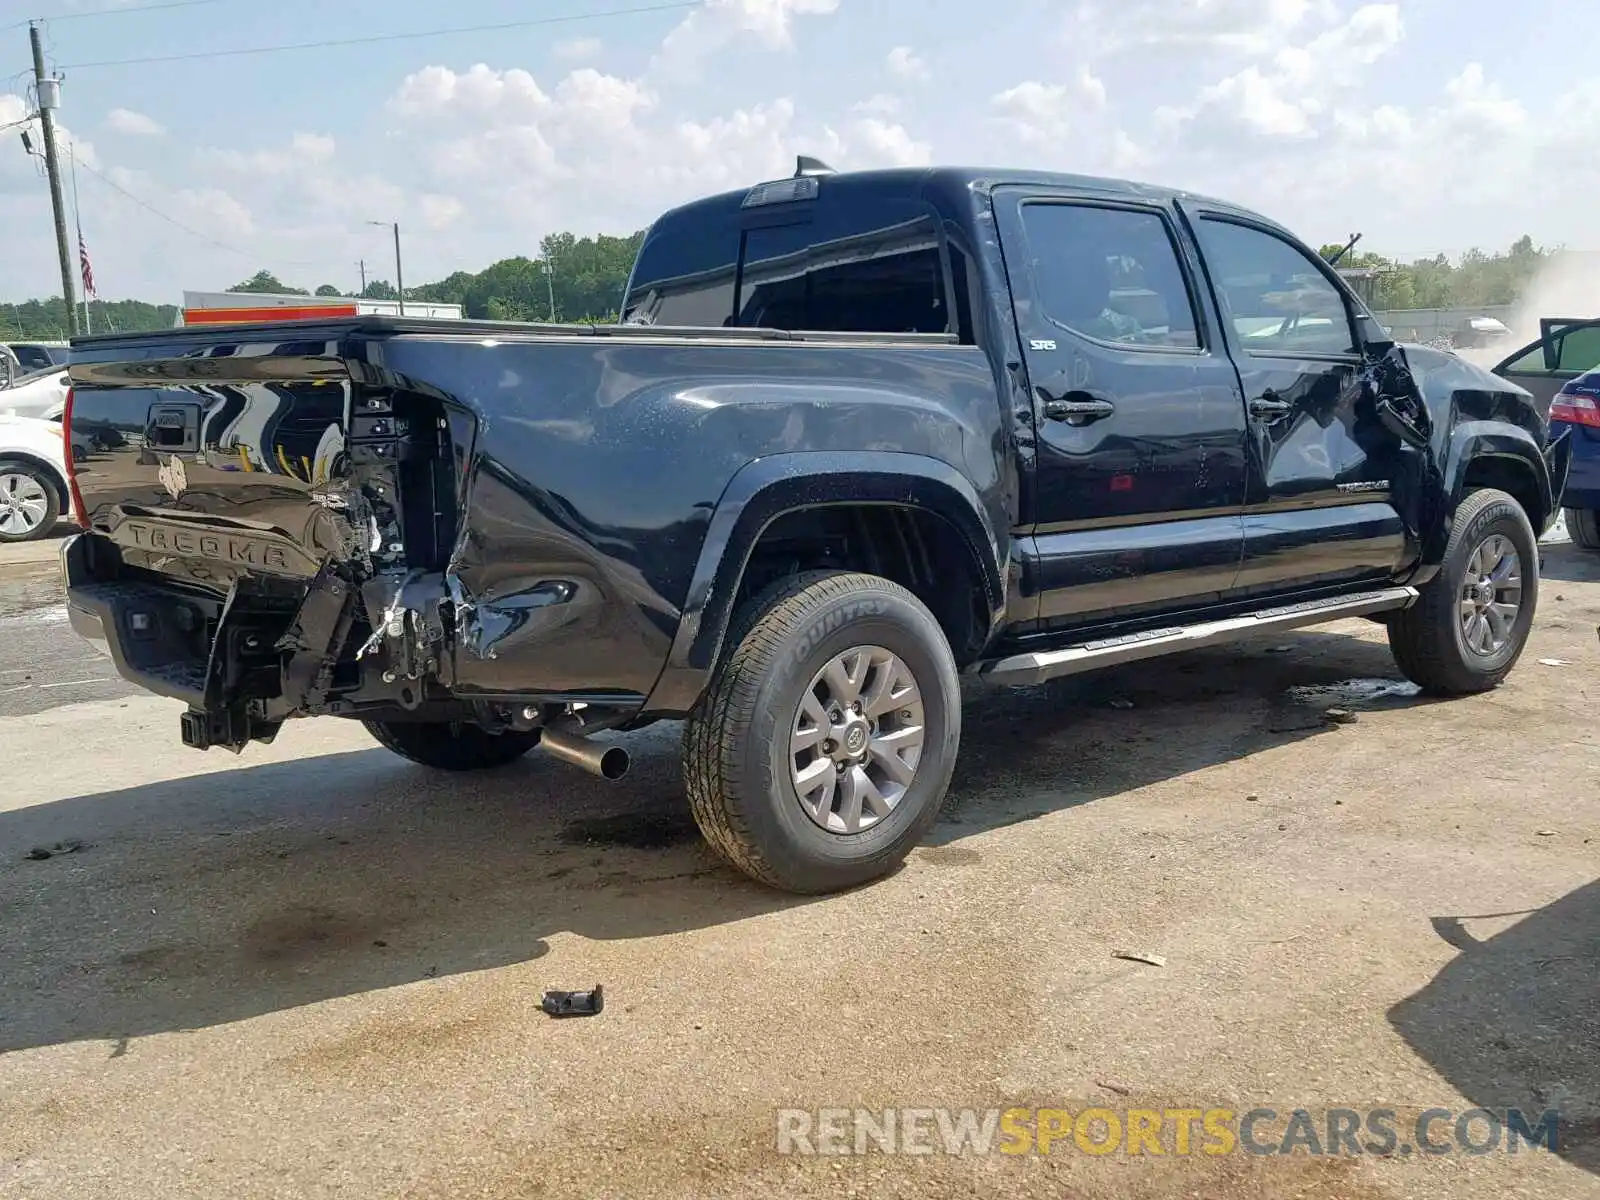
(1277, 298)
(1111, 274)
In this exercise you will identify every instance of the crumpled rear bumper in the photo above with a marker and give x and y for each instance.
(150, 634)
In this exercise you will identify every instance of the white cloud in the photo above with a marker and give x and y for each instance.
(903, 63)
(1043, 113)
(870, 142)
(1127, 156)
(880, 104)
(578, 49)
(20, 171)
(717, 24)
(481, 91)
(1106, 27)
(1292, 93)
(125, 120)
(305, 152)
(439, 211)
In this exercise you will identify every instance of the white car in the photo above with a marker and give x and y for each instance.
(33, 477)
(31, 395)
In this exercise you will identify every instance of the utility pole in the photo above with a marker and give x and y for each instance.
(49, 94)
(399, 281)
(361, 265)
(550, 285)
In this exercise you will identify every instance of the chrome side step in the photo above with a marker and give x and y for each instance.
(1037, 666)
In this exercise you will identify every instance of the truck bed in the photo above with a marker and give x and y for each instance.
(321, 516)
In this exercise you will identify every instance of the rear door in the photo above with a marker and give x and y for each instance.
(1140, 466)
(1567, 347)
(1319, 501)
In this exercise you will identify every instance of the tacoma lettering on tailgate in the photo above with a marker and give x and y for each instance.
(242, 550)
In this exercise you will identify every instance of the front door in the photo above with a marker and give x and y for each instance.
(1319, 507)
(1139, 475)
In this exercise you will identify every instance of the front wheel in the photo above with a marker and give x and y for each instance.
(1469, 625)
(1583, 524)
(824, 748)
(452, 745)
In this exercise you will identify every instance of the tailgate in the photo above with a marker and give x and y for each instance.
(212, 462)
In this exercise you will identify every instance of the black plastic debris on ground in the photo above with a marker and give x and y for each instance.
(574, 1004)
(40, 853)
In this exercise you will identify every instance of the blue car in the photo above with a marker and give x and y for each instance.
(1562, 370)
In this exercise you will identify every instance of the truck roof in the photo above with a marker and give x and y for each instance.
(949, 180)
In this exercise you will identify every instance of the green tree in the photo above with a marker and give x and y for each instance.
(46, 320)
(265, 281)
(379, 289)
(328, 289)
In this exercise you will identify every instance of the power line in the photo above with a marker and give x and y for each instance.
(116, 12)
(117, 187)
(388, 37)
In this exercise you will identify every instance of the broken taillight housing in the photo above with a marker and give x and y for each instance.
(1575, 409)
(79, 514)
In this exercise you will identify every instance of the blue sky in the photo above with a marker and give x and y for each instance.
(1430, 125)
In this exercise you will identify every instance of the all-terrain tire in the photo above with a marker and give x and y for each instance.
(452, 745)
(737, 755)
(1428, 640)
(1584, 526)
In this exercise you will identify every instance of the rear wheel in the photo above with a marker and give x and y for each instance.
(452, 745)
(29, 502)
(1584, 526)
(1471, 621)
(824, 748)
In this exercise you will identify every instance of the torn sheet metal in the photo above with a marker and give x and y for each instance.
(412, 619)
(488, 626)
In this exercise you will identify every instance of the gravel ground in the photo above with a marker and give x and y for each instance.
(315, 969)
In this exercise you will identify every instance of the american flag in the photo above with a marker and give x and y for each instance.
(88, 271)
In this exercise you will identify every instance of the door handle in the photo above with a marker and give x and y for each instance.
(1078, 407)
(1269, 404)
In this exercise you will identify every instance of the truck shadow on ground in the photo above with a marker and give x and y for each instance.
(222, 896)
(1563, 562)
(1512, 1022)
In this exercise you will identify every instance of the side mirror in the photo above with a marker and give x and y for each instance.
(1391, 419)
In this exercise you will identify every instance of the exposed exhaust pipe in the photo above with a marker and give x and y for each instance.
(608, 762)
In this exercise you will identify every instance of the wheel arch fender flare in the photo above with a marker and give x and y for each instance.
(1515, 450)
(768, 488)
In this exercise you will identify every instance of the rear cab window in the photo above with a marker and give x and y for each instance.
(1109, 273)
(847, 259)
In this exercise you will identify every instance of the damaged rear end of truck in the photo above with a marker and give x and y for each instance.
(270, 520)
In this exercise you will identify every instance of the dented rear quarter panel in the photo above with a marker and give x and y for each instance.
(601, 461)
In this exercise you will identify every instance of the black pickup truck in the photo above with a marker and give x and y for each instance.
(855, 435)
